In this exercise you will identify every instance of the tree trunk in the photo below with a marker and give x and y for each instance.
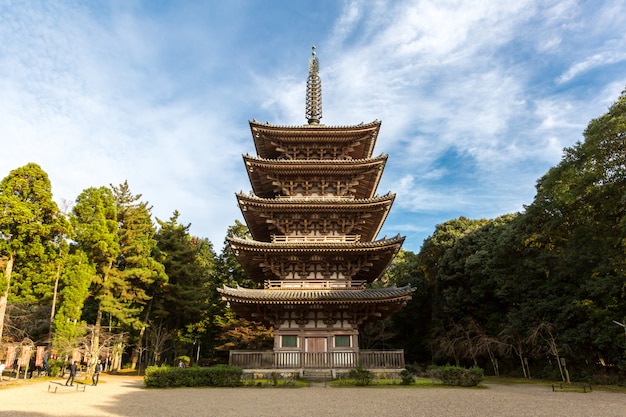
(54, 303)
(521, 359)
(4, 298)
(138, 348)
(95, 345)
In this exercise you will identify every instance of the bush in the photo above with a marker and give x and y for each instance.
(216, 376)
(54, 367)
(407, 377)
(361, 376)
(457, 376)
(414, 369)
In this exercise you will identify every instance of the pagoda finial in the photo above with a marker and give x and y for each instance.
(314, 91)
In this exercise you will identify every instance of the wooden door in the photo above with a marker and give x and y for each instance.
(316, 352)
(316, 344)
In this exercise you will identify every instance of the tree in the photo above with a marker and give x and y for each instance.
(75, 282)
(231, 329)
(31, 227)
(135, 268)
(183, 302)
(553, 274)
(243, 334)
(409, 327)
(94, 227)
(228, 269)
(578, 229)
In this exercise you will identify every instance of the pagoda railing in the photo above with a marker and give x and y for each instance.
(317, 239)
(312, 284)
(367, 359)
(315, 197)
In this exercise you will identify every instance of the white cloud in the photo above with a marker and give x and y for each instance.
(594, 61)
(477, 99)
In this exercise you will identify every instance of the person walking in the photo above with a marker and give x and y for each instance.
(70, 379)
(96, 373)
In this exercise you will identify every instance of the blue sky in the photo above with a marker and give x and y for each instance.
(477, 99)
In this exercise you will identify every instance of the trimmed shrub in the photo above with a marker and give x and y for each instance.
(216, 376)
(457, 376)
(361, 376)
(407, 377)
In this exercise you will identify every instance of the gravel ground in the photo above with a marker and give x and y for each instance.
(126, 396)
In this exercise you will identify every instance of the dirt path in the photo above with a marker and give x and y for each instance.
(126, 396)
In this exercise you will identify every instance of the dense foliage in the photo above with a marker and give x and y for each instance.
(107, 280)
(457, 376)
(540, 288)
(215, 376)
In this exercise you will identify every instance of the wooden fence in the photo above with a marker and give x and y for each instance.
(368, 359)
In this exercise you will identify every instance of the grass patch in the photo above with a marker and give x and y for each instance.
(419, 383)
(270, 383)
(573, 387)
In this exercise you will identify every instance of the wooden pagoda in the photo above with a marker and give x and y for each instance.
(314, 217)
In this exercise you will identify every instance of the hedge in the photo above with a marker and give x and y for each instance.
(455, 375)
(216, 376)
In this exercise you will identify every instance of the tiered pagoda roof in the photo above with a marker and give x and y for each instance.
(349, 178)
(314, 217)
(331, 142)
(365, 305)
(267, 217)
(357, 261)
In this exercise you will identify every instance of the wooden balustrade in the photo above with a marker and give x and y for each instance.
(320, 239)
(288, 283)
(368, 359)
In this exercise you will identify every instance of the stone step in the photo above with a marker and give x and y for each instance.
(317, 374)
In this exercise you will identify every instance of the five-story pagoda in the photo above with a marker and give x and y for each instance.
(314, 216)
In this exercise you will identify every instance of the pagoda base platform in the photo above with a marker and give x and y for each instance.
(313, 374)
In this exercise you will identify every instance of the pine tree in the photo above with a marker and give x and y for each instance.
(94, 227)
(184, 301)
(135, 267)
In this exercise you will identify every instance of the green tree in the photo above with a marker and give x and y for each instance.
(183, 302)
(579, 218)
(411, 325)
(228, 269)
(135, 269)
(95, 226)
(31, 227)
(75, 281)
(560, 262)
(229, 272)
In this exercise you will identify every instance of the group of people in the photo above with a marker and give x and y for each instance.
(73, 369)
(30, 369)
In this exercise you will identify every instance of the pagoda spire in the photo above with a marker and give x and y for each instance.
(314, 91)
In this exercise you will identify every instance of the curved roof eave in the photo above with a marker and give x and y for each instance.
(312, 201)
(374, 295)
(319, 127)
